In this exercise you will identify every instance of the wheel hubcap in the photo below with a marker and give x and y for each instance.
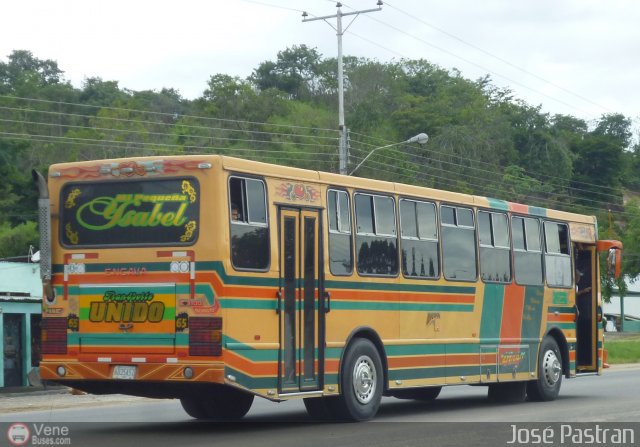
(551, 368)
(364, 379)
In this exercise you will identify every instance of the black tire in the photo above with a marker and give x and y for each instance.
(224, 403)
(423, 394)
(508, 392)
(318, 408)
(547, 386)
(193, 408)
(361, 383)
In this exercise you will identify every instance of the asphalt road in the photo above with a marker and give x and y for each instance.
(460, 416)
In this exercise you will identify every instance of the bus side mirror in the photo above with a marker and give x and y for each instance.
(614, 256)
(614, 262)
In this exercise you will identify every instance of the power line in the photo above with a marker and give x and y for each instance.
(504, 61)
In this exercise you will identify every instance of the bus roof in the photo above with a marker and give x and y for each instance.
(307, 175)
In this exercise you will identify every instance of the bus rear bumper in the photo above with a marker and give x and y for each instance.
(74, 373)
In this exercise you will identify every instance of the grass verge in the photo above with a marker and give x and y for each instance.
(622, 349)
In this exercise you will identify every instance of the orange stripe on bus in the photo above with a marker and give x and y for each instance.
(561, 317)
(409, 362)
(512, 308)
(253, 369)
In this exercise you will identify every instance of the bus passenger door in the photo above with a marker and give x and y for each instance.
(587, 326)
(301, 354)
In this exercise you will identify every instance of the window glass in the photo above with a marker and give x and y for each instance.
(527, 258)
(427, 221)
(465, 217)
(135, 212)
(484, 228)
(557, 260)
(500, 231)
(447, 215)
(364, 214)
(332, 210)
(385, 216)
(517, 232)
(344, 212)
(495, 252)
(408, 218)
(256, 201)
(532, 227)
(552, 237)
(376, 245)
(419, 254)
(528, 268)
(340, 242)
(249, 225)
(458, 245)
(420, 259)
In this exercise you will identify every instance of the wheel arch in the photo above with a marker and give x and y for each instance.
(371, 335)
(561, 340)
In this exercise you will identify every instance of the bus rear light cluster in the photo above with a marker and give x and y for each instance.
(54, 335)
(205, 336)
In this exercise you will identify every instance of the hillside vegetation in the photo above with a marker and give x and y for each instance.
(483, 140)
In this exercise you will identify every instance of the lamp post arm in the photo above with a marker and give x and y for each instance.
(421, 138)
(371, 153)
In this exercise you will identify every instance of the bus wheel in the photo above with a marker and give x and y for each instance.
(225, 403)
(424, 394)
(508, 392)
(318, 408)
(547, 386)
(361, 383)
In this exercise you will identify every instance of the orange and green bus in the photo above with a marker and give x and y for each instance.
(214, 279)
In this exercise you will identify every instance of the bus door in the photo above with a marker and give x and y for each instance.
(301, 357)
(587, 310)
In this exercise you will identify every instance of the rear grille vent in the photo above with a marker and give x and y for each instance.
(54, 335)
(205, 336)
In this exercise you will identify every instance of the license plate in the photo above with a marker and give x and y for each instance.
(124, 372)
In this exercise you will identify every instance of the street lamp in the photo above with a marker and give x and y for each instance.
(421, 138)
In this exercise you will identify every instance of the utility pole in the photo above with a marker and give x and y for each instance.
(343, 156)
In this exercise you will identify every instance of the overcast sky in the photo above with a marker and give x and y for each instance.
(577, 57)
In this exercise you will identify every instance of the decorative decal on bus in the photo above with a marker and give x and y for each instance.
(134, 306)
(298, 191)
(132, 212)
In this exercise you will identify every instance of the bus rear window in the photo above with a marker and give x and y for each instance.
(136, 212)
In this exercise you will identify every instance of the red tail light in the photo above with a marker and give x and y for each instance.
(54, 335)
(205, 336)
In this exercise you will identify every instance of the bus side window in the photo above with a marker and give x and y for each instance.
(248, 224)
(419, 237)
(376, 238)
(340, 244)
(557, 259)
(458, 243)
(527, 255)
(495, 252)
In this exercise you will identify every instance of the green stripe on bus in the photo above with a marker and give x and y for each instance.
(73, 338)
(393, 287)
(491, 311)
(532, 312)
(382, 305)
(537, 211)
(498, 204)
(561, 310)
(433, 373)
(251, 382)
(236, 303)
(559, 325)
